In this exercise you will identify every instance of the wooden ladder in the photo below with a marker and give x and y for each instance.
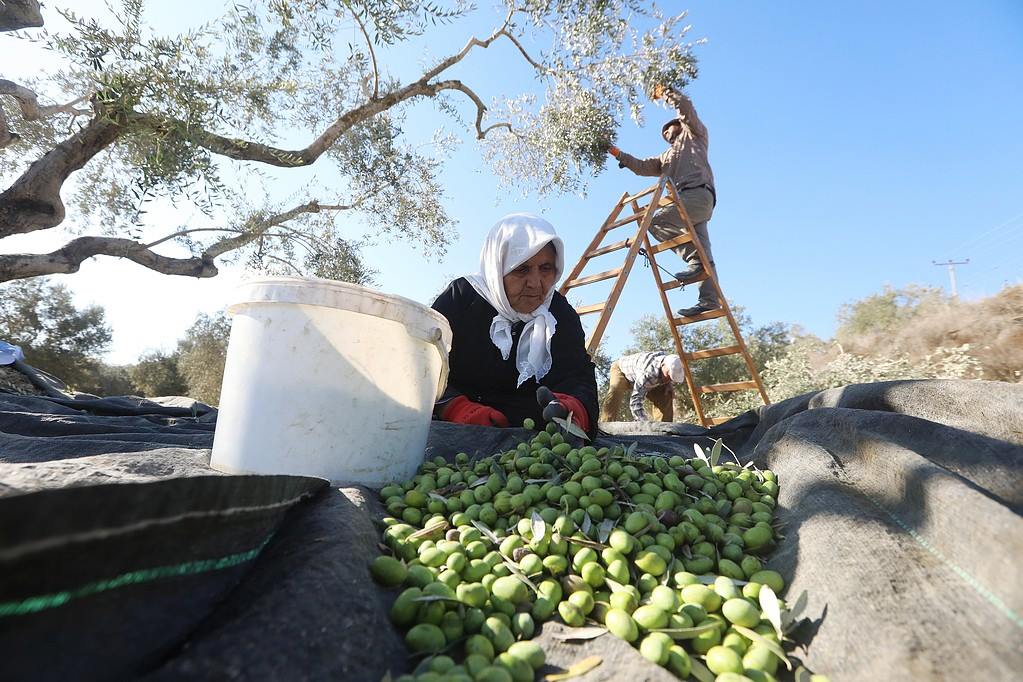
(662, 194)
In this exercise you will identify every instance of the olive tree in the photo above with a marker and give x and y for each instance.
(211, 116)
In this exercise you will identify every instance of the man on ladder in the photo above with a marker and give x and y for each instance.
(685, 162)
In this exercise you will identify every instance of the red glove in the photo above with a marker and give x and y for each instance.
(461, 410)
(573, 405)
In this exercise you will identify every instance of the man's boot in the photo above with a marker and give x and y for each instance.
(693, 273)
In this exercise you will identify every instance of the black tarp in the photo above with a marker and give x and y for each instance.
(901, 503)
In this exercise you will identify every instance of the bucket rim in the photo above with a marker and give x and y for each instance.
(329, 293)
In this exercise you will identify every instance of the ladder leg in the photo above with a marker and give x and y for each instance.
(675, 337)
(619, 285)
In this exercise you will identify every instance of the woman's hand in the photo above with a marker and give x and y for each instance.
(461, 410)
(560, 404)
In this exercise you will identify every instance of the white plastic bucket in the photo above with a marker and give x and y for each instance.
(328, 379)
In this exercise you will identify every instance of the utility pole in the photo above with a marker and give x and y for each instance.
(952, 273)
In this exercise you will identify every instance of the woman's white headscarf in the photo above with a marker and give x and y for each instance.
(512, 241)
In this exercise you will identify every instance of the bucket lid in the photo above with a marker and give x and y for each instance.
(421, 321)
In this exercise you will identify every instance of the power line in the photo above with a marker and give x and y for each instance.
(978, 239)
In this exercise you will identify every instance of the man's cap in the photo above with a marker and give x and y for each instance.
(674, 366)
(664, 128)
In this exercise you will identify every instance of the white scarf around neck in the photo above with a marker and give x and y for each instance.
(512, 241)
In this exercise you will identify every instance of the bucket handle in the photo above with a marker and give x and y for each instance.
(435, 336)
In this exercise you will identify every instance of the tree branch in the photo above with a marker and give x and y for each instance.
(182, 233)
(481, 108)
(372, 55)
(29, 102)
(18, 14)
(33, 202)
(69, 258)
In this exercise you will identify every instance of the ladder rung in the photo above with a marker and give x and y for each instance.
(624, 221)
(648, 190)
(671, 284)
(599, 277)
(714, 421)
(672, 243)
(713, 352)
(730, 386)
(699, 318)
(624, 244)
(587, 309)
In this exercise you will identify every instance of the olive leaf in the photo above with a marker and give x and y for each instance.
(482, 480)
(699, 453)
(538, 526)
(604, 530)
(498, 471)
(688, 633)
(760, 639)
(439, 498)
(771, 608)
(435, 597)
(586, 542)
(715, 453)
(700, 671)
(614, 585)
(631, 450)
(710, 579)
(668, 572)
(587, 524)
(789, 617)
(515, 571)
(570, 427)
(432, 529)
(482, 527)
(578, 668)
(580, 634)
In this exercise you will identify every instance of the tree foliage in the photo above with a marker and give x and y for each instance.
(55, 335)
(157, 374)
(201, 355)
(211, 117)
(765, 343)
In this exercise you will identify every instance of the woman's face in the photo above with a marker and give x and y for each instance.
(527, 285)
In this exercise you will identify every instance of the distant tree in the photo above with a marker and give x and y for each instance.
(201, 355)
(199, 117)
(765, 343)
(107, 380)
(55, 335)
(882, 313)
(157, 374)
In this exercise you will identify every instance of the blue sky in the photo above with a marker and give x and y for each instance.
(852, 144)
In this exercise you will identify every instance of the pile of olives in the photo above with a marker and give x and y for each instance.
(663, 552)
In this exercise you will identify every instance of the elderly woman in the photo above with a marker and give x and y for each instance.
(517, 346)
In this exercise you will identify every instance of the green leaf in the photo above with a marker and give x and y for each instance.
(715, 453)
(604, 530)
(580, 634)
(760, 639)
(538, 526)
(772, 610)
(699, 453)
(571, 427)
(689, 633)
(700, 671)
(579, 668)
(789, 617)
(482, 527)
(436, 597)
(517, 572)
